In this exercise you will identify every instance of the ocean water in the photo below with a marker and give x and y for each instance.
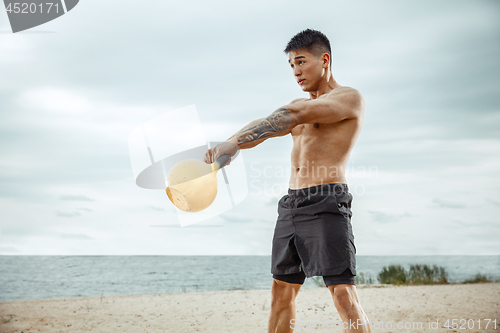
(48, 277)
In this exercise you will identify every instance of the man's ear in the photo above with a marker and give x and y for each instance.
(325, 60)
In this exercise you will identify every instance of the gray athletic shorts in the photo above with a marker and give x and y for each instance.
(313, 236)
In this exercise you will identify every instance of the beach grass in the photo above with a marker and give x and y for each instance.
(479, 278)
(421, 274)
(361, 278)
(393, 274)
(318, 281)
(416, 275)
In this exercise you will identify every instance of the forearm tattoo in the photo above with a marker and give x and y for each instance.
(277, 122)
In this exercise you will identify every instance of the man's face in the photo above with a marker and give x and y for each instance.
(307, 69)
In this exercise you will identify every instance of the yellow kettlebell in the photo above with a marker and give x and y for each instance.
(192, 184)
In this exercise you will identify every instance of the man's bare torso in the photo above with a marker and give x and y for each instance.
(321, 152)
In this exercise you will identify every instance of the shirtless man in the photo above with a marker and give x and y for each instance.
(313, 234)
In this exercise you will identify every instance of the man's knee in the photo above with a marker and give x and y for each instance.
(344, 297)
(284, 293)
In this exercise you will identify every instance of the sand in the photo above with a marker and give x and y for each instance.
(248, 311)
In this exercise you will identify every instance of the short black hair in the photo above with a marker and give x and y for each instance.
(313, 41)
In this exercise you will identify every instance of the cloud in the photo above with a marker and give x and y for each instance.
(460, 223)
(432, 119)
(442, 203)
(272, 201)
(161, 209)
(236, 217)
(494, 202)
(384, 217)
(9, 249)
(65, 214)
(75, 197)
(56, 100)
(75, 236)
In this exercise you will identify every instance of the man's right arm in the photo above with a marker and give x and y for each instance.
(279, 123)
(268, 124)
(247, 127)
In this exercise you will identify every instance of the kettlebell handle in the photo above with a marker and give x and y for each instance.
(222, 161)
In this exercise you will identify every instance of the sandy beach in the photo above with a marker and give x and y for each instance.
(389, 308)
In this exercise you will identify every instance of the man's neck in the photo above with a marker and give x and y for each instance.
(325, 88)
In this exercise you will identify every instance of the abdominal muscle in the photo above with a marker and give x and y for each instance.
(320, 153)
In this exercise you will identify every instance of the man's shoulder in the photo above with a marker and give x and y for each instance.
(299, 100)
(346, 91)
(347, 96)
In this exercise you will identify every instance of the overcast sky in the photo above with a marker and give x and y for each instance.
(424, 172)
